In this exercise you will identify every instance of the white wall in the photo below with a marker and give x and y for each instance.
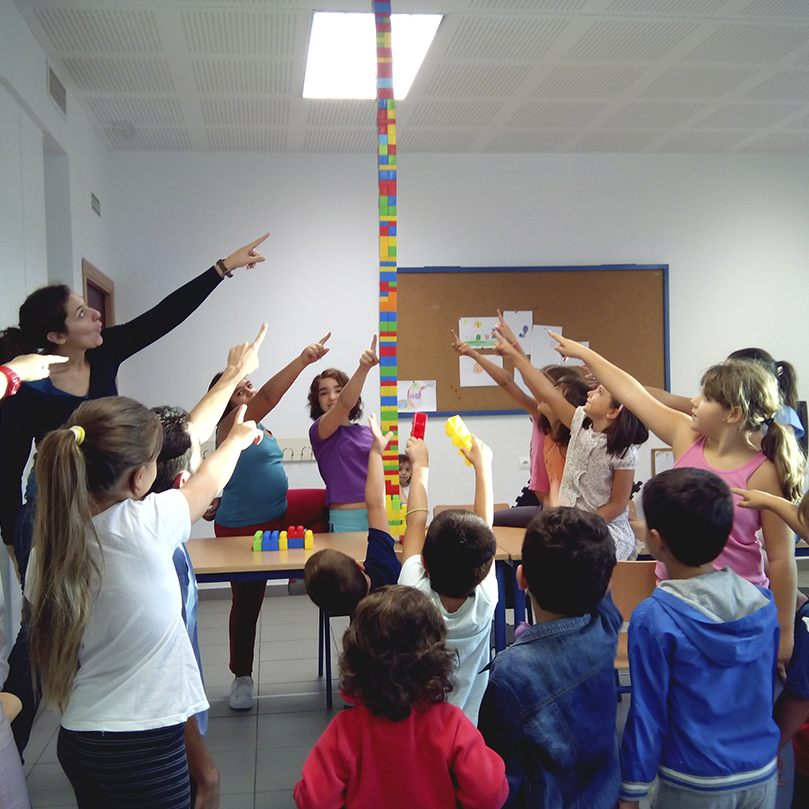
(731, 227)
(28, 117)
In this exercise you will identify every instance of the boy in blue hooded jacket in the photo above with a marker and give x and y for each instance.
(702, 657)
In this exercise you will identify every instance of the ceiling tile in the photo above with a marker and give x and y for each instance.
(437, 140)
(476, 80)
(749, 43)
(550, 114)
(747, 116)
(239, 32)
(652, 114)
(508, 39)
(138, 111)
(100, 31)
(121, 75)
(247, 140)
(630, 40)
(245, 111)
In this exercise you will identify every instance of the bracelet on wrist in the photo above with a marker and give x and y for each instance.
(12, 380)
(224, 270)
(414, 510)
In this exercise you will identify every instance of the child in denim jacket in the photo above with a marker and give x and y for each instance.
(550, 706)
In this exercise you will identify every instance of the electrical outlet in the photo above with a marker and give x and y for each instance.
(524, 462)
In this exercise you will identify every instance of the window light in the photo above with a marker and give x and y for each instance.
(342, 53)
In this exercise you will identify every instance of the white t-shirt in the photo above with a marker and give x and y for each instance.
(137, 669)
(468, 631)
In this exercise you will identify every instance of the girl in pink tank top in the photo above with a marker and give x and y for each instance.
(737, 399)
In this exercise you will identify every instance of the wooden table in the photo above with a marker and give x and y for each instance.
(217, 559)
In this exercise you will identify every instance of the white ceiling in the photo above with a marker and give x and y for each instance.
(502, 76)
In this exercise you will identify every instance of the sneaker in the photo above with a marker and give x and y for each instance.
(241, 694)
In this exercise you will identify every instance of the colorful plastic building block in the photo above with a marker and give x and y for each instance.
(419, 423)
(271, 541)
(257, 540)
(298, 537)
(461, 437)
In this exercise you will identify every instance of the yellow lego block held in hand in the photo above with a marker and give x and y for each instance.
(461, 437)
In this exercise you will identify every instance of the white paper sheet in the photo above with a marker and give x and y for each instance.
(478, 332)
(522, 324)
(473, 376)
(542, 351)
(416, 394)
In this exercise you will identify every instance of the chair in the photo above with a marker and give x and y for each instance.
(438, 509)
(631, 583)
(307, 507)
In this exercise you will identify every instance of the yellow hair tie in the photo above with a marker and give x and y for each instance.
(78, 433)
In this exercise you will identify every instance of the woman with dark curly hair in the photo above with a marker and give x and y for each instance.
(403, 744)
(339, 444)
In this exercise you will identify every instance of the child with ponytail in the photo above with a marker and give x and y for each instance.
(107, 637)
(738, 398)
(602, 453)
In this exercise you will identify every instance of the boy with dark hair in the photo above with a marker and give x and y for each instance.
(178, 460)
(335, 581)
(453, 565)
(550, 707)
(703, 652)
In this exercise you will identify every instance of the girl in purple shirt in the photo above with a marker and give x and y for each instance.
(340, 445)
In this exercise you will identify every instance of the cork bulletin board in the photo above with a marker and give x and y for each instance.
(621, 309)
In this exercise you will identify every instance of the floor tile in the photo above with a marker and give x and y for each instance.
(237, 771)
(231, 733)
(275, 800)
(279, 769)
(291, 729)
(48, 786)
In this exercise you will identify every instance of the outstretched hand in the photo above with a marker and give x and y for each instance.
(380, 441)
(369, 357)
(459, 346)
(505, 349)
(752, 498)
(504, 330)
(480, 454)
(244, 433)
(244, 357)
(315, 351)
(416, 451)
(567, 348)
(30, 367)
(246, 256)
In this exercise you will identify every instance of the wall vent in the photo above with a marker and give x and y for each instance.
(57, 91)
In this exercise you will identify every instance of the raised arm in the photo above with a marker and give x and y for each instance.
(781, 568)
(413, 541)
(375, 482)
(669, 425)
(272, 391)
(242, 360)
(766, 501)
(127, 339)
(217, 468)
(504, 330)
(539, 384)
(329, 422)
(27, 367)
(672, 400)
(480, 456)
(500, 375)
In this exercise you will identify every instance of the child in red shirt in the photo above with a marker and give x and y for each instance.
(402, 745)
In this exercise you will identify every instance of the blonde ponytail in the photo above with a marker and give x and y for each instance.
(780, 446)
(64, 569)
(73, 469)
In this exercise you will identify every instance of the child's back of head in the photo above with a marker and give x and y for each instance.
(458, 552)
(692, 509)
(568, 556)
(334, 582)
(394, 654)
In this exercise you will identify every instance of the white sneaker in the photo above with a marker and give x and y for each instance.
(241, 694)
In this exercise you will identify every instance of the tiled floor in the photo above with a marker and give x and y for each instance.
(259, 753)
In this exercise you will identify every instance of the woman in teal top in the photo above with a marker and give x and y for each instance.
(255, 499)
